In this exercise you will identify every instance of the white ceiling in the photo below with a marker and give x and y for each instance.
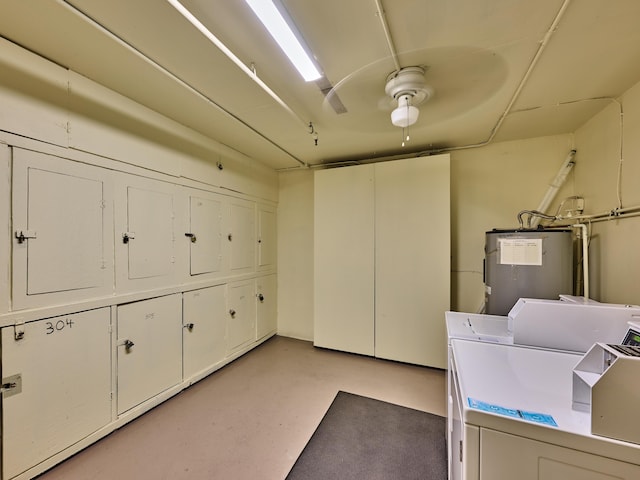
(498, 68)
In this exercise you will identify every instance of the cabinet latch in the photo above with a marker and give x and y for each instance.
(22, 235)
(126, 236)
(11, 385)
(18, 330)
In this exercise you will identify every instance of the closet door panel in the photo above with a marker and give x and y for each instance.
(412, 260)
(344, 259)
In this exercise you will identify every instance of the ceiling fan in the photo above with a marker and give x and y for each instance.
(407, 86)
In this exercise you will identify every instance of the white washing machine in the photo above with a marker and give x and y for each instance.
(511, 417)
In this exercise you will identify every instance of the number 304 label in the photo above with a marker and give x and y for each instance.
(58, 325)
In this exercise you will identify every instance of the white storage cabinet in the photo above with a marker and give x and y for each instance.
(204, 235)
(56, 375)
(267, 248)
(241, 315)
(241, 236)
(204, 330)
(62, 230)
(149, 349)
(144, 234)
(266, 305)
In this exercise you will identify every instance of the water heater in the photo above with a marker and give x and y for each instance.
(526, 264)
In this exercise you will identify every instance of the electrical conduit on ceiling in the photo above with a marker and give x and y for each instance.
(523, 81)
(541, 47)
(192, 89)
(516, 94)
(231, 56)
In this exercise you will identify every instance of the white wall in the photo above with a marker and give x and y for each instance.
(295, 255)
(614, 251)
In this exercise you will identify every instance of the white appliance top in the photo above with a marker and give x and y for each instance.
(528, 392)
(480, 327)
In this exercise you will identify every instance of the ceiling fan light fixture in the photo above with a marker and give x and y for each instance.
(404, 114)
(284, 32)
(407, 87)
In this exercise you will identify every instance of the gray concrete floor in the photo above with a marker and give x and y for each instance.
(251, 419)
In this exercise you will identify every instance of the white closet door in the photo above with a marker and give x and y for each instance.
(412, 260)
(344, 259)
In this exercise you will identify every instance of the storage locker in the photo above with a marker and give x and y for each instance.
(241, 314)
(267, 247)
(61, 369)
(205, 234)
(145, 234)
(62, 229)
(266, 308)
(242, 235)
(204, 329)
(149, 352)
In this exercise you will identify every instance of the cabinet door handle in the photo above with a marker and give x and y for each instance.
(192, 236)
(128, 344)
(126, 236)
(261, 297)
(232, 312)
(230, 237)
(189, 326)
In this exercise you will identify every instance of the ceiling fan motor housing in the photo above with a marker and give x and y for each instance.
(408, 81)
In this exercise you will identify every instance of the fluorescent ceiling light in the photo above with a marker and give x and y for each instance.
(283, 32)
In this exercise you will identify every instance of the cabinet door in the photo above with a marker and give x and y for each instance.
(412, 239)
(505, 457)
(241, 315)
(204, 329)
(267, 300)
(205, 231)
(61, 230)
(344, 259)
(266, 238)
(242, 236)
(149, 232)
(145, 236)
(149, 349)
(62, 370)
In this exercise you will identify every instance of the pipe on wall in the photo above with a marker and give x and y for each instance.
(554, 186)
